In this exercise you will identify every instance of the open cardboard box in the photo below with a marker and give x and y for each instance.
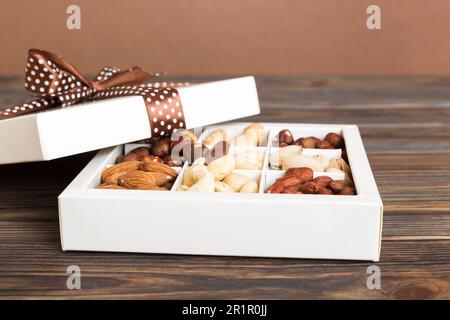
(238, 224)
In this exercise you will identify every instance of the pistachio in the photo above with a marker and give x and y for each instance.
(221, 167)
(249, 187)
(236, 181)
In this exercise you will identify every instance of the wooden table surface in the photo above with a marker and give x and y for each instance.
(405, 125)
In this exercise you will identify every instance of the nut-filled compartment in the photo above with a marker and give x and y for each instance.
(313, 224)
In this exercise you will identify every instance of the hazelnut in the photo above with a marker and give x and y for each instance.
(285, 137)
(308, 142)
(335, 140)
(323, 145)
(161, 147)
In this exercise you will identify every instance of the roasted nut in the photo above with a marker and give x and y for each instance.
(150, 187)
(215, 137)
(285, 137)
(303, 173)
(292, 189)
(222, 187)
(335, 140)
(135, 178)
(114, 177)
(288, 181)
(158, 167)
(134, 155)
(161, 147)
(325, 191)
(168, 160)
(123, 166)
(299, 160)
(309, 187)
(162, 178)
(347, 191)
(308, 142)
(236, 181)
(337, 185)
(249, 187)
(277, 187)
(110, 186)
(323, 181)
(221, 167)
(324, 145)
(151, 158)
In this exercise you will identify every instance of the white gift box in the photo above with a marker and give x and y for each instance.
(61, 132)
(238, 224)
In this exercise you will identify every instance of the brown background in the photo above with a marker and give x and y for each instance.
(233, 37)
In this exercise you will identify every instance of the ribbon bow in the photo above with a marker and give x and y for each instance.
(60, 84)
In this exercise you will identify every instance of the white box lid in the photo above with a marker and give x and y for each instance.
(62, 132)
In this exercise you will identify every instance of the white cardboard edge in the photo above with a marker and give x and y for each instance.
(95, 125)
(290, 226)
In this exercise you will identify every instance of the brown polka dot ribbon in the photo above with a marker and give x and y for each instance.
(59, 84)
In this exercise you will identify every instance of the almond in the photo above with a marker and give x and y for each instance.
(123, 166)
(135, 178)
(158, 167)
(109, 186)
(114, 177)
(150, 187)
(161, 177)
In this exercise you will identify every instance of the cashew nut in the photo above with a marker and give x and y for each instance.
(249, 187)
(222, 166)
(236, 181)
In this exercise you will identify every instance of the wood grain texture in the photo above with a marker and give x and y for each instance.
(405, 124)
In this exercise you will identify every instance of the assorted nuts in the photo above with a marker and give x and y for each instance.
(300, 181)
(215, 164)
